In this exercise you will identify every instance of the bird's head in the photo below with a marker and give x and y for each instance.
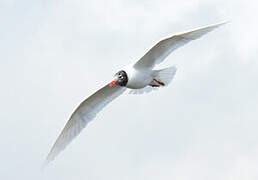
(121, 79)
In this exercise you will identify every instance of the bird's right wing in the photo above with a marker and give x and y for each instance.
(162, 49)
(86, 111)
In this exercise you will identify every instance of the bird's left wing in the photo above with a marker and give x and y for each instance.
(162, 49)
(86, 111)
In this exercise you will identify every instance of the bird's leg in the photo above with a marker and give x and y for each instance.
(154, 85)
(159, 82)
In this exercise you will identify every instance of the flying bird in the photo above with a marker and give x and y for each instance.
(139, 77)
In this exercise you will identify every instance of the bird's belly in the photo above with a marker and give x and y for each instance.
(139, 80)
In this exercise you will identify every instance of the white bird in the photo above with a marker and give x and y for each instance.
(139, 77)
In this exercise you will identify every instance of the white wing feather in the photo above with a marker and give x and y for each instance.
(162, 49)
(86, 111)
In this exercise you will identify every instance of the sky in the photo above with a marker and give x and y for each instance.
(203, 126)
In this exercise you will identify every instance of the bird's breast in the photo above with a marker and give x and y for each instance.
(138, 79)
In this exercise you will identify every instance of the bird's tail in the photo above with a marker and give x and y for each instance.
(164, 76)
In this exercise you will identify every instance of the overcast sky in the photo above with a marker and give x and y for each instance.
(54, 54)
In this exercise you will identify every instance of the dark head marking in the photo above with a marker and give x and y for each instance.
(122, 78)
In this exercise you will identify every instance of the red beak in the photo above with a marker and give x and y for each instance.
(113, 83)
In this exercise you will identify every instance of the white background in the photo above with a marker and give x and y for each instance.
(53, 54)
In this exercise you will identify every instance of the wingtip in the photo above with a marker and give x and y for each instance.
(215, 26)
(46, 162)
(225, 22)
(221, 23)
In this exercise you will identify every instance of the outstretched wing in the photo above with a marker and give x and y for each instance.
(86, 111)
(162, 49)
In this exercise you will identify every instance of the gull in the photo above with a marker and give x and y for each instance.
(139, 77)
